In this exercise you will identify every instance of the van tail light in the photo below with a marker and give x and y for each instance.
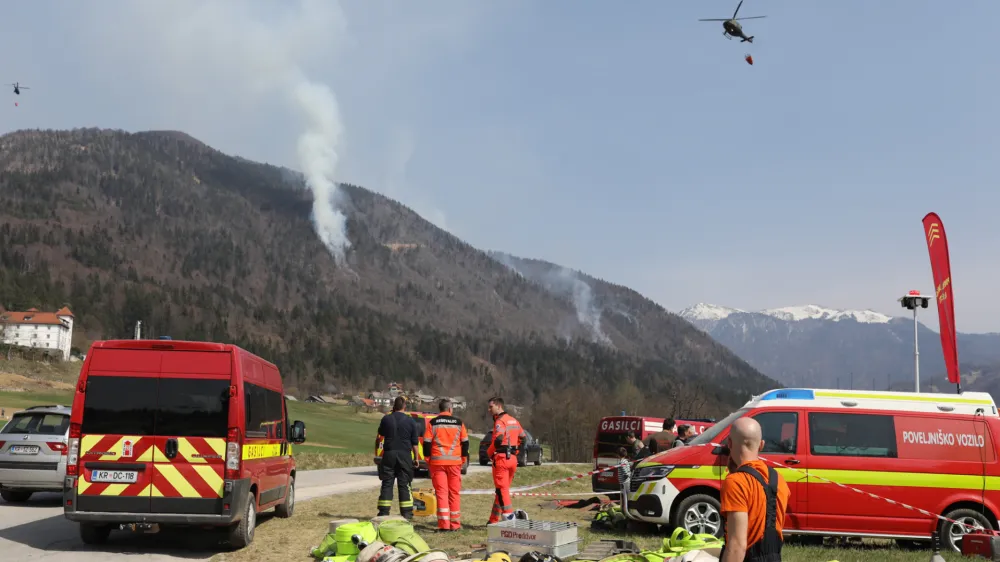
(73, 450)
(233, 453)
(57, 446)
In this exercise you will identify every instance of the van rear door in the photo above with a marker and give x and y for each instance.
(116, 432)
(191, 423)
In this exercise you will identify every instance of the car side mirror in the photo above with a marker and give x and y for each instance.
(721, 450)
(297, 433)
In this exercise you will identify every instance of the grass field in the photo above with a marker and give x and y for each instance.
(291, 539)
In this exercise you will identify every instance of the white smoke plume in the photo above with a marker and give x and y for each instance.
(565, 283)
(221, 64)
(318, 158)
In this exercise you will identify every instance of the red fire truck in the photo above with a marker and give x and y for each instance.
(611, 435)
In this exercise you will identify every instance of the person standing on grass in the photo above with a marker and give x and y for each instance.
(446, 448)
(399, 458)
(753, 499)
(508, 439)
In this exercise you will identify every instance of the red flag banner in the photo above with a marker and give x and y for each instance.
(937, 247)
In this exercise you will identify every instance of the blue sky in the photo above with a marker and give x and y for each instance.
(626, 140)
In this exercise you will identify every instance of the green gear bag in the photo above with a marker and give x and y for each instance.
(401, 535)
(326, 548)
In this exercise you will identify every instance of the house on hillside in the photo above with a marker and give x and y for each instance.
(381, 399)
(458, 402)
(51, 331)
(424, 398)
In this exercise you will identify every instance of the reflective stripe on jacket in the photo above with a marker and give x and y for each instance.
(507, 434)
(446, 441)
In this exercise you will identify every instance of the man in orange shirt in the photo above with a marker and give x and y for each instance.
(508, 438)
(446, 448)
(754, 498)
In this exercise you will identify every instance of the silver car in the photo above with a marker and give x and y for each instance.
(33, 447)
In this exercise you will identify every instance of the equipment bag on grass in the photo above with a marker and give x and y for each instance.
(401, 535)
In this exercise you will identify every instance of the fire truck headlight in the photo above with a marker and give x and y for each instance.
(654, 472)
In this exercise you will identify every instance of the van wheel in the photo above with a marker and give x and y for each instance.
(14, 496)
(94, 534)
(288, 507)
(241, 534)
(699, 513)
(465, 469)
(952, 533)
(539, 461)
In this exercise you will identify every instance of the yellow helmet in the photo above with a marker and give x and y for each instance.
(498, 556)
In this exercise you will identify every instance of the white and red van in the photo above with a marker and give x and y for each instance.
(611, 435)
(935, 452)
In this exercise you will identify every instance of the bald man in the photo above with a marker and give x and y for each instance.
(754, 497)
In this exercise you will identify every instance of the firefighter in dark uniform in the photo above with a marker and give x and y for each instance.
(753, 499)
(399, 458)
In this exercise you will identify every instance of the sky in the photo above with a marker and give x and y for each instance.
(628, 141)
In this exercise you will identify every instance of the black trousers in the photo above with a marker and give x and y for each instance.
(398, 466)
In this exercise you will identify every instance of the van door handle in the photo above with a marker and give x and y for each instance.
(170, 450)
(792, 461)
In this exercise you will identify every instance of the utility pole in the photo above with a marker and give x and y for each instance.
(138, 329)
(911, 301)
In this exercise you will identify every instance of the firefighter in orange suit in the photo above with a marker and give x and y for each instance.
(508, 438)
(446, 448)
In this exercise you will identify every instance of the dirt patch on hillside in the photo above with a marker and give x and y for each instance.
(10, 382)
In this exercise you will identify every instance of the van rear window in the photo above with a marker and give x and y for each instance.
(155, 406)
(193, 407)
(119, 405)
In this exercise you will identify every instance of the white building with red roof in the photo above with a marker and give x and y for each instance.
(41, 330)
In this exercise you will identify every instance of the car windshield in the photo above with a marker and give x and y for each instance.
(711, 433)
(37, 423)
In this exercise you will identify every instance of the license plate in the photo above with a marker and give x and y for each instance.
(23, 449)
(114, 476)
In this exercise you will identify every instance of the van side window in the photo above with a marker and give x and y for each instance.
(263, 413)
(852, 435)
(255, 409)
(779, 430)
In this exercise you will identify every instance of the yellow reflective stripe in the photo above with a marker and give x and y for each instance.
(857, 478)
(170, 473)
(262, 451)
(211, 477)
(879, 396)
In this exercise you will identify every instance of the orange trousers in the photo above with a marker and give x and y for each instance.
(503, 475)
(447, 482)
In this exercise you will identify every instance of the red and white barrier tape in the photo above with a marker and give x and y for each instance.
(871, 495)
(519, 491)
(522, 491)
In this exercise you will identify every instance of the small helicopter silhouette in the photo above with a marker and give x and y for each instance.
(733, 28)
(18, 87)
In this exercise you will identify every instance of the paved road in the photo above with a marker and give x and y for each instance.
(39, 531)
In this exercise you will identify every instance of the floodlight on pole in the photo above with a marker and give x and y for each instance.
(912, 301)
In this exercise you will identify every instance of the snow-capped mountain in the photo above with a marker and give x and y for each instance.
(818, 346)
(703, 313)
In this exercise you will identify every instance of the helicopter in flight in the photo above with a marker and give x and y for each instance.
(732, 25)
(18, 87)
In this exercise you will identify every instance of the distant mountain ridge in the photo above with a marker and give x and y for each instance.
(817, 346)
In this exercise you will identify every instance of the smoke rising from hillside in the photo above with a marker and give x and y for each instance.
(318, 158)
(220, 67)
(564, 283)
